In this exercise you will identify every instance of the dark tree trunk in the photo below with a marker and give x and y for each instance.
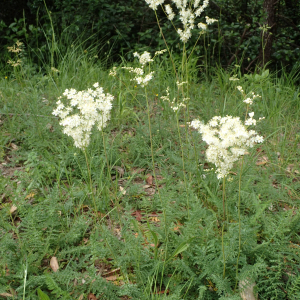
(266, 34)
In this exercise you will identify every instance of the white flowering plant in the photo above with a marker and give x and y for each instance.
(85, 110)
(175, 105)
(188, 12)
(228, 138)
(143, 76)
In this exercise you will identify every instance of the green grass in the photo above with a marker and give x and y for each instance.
(145, 239)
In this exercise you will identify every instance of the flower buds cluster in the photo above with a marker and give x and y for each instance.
(248, 100)
(145, 58)
(173, 104)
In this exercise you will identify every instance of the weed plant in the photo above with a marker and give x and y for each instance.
(139, 214)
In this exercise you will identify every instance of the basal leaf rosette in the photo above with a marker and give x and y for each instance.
(85, 110)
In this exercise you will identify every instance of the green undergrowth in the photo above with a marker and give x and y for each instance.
(143, 239)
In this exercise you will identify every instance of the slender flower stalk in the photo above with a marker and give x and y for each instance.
(91, 183)
(187, 12)
(115, 189)
(145, 60)
(176, 107)
(240, 227)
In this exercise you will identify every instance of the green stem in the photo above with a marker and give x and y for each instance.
(224, 219)
(239, 214)
(223, 198)
(25, 279)
(223, 251)
(91, 184)
(161, 32)
(108, 170)
(153, 165)
(183, 166)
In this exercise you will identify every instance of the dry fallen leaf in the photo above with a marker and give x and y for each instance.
(120, 170)
(154, 219)
(112, 278)
(6, 295)
(54, 264)
(137, 170)
(123, 191)
(149, 179)
(13, 209)
(262, 161)
(247, 292)
(177, 227)
(29, 196)
(14, 146)
(138, 215)
(112, 272)
(91, 296)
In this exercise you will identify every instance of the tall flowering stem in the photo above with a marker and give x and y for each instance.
(240, 227)
(143, 77)
(18, 50)
(187, 12)
(228, 139)
(176, 106)
(90, 179)
(183, 166)
(85, 110)
(248, 121)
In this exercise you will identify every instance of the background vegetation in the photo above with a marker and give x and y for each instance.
(130, 25)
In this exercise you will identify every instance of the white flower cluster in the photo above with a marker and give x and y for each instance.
(227, 139)
(202, 26)
(113, 72)
(175, 106)
(234, 78)
(248, 100)
(169, 12)
(159, 52)
(154, 3)
(250, 121)
(187, 15)
(144, 58)
(141, 78)
(210, 20)
(86, 109)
